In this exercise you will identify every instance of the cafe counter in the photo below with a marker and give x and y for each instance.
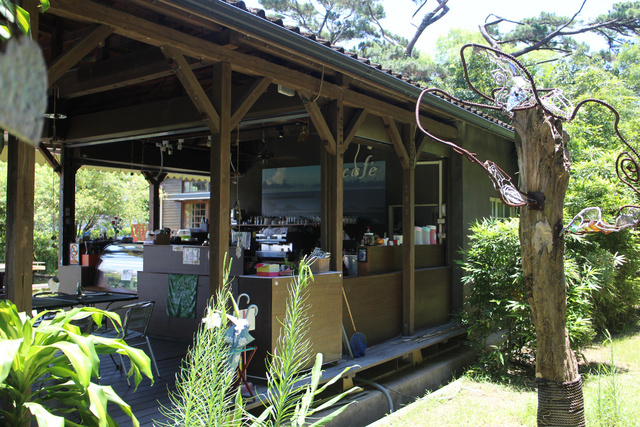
(324, 300)
(179, 263)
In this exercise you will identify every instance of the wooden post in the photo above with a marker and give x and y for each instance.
(67, 226)
(330, 128)
(219, 225)
(408, 237)
(20, 192)
(154, 198)
(20, 206)
(335, 198)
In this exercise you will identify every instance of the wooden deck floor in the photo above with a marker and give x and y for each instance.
(146, 401)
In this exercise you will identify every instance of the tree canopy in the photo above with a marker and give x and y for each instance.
(334, 20)
(556, 33)
(100, 196)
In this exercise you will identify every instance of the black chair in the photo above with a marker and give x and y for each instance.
(86, 325)
(134, 329)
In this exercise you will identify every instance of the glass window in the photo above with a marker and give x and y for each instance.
(194, 214)
(500, 210)
(194, 186)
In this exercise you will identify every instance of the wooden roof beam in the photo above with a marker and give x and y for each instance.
(191, 84)
(319, 122)
(63, 63)
(250, 97)
(57, 168)
(134, 68)
(394, 134)
(158, 35)
(352, 128)
(421, 141)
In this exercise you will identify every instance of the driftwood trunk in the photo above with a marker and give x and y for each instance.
(544, 176)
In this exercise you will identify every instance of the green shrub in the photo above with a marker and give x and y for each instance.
(617, 256)
(496, 301)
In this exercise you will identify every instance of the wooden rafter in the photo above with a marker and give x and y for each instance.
(121, 71)
(71, 57)
(155, 34)
(245, 103)
(191, 84)
(394, 134)
(352, 128)
(50, 159)
(421, 141)
(319, 122)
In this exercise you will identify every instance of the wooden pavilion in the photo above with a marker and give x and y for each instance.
(216, 79)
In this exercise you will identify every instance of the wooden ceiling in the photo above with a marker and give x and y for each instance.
(118, 72)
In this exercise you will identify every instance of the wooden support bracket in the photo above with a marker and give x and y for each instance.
(195, 91)
(415, 357)
(347, 383)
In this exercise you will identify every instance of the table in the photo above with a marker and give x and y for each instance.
(55, 301)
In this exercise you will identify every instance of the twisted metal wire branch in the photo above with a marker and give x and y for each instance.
(517, 91)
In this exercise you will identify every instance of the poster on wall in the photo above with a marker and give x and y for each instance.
(296, 191)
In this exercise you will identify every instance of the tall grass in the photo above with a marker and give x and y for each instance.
(611, 387)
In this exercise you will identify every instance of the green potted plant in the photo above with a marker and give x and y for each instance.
(47, 366)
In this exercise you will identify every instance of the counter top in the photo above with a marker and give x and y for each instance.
(185, 259)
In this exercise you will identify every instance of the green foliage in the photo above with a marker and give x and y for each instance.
(555, 33)
(100, 196)
(205, 389)
(617, 259)
(46, 368)
(336, 20)
(594, 182)
(496, 300)
(420, 68)
(12, 14)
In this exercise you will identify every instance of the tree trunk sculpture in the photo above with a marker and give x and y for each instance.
(544, 174)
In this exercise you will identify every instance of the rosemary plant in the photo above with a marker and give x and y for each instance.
(206, 393)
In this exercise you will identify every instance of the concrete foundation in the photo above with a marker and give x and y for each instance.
(402, 389)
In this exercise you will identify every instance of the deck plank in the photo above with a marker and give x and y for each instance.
(146, 401)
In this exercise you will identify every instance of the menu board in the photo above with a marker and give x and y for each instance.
(296, 191)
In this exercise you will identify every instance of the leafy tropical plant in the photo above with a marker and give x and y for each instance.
(16, 16)
(47, 366)
(206, 392)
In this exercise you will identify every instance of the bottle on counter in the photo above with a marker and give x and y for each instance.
(369, 238)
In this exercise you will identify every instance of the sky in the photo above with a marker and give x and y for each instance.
(470, 13)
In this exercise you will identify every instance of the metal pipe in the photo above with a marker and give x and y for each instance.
(379, 387)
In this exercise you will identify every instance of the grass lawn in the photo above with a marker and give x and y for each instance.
(611, 374)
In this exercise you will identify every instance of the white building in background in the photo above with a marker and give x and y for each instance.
(185, 203)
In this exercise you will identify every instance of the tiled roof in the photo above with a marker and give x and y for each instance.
(353, 55)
